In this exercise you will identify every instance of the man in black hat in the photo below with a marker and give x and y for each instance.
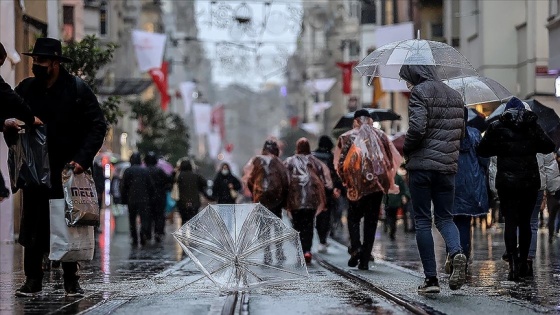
(365, 186)
(76, 128)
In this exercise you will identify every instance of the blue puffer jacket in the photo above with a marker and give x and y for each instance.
(471, 195)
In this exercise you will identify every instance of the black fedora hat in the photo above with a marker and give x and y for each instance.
(49, 48)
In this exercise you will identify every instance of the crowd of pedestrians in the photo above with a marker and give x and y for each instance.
(447, 175)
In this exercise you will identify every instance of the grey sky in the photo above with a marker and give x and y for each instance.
(252, 53)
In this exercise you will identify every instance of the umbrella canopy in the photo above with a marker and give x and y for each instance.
(398, 142)
(548, 119)
(476, 120)
(477, 90)
(165, 166)
(387, 60)
(233, 245)
(377, 114)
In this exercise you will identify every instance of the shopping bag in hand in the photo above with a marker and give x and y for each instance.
(82, 207)
(68, 243)
(28, 158)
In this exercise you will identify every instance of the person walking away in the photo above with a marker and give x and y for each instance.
(226, 186)
(325, 220)
(553, 205)
(394, 202)
(162, 184)
(515, 139)
(309, 177)
(550, 184)
(191, 185)
(76, 128)
(366, 161)
(266, 178)
(471, 192)
(431, 150)
(137, 192)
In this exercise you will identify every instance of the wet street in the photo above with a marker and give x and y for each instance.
(157, 280)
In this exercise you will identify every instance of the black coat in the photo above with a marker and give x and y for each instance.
(13, 105)
(162, 184)
(436, 122)
(515, 139)
(75, 123)
(220, 190)
(137, 187)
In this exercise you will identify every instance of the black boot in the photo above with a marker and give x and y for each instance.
(354, 257)
(513, 268)
(526, 269)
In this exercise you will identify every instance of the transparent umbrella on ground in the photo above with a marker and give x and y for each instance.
(386, 61)
(233, 246)
(478, 90)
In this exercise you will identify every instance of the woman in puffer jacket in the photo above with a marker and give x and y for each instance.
(515, 139)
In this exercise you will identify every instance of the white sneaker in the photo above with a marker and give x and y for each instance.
(322, 249)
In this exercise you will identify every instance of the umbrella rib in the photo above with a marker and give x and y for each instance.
(221, 225)
(266, 243)
(251, 272)
(218, 252)
(271, 267)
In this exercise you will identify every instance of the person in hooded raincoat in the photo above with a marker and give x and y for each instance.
(431, 151)
(191, 185)
(515, 139)
(266, 178)
(366, 161)
(471, 192)
(306, 195)
(226, 186)
(137, 192)
(325, 220)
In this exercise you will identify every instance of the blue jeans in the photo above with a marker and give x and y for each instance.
(463, 223)
(427, 187)
(535, 225)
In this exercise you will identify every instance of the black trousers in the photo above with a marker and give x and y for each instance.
(368, 208)
(186, 212)
(302, 220)
(391, 220)
(142, 210)
(323, 221)
(517, 207)
(158, 216)
(35, 233)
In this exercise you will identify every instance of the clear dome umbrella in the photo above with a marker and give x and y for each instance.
(477, 90)
(386, 61)
(243, 246)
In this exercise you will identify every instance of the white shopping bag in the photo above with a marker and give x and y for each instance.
(68, 243)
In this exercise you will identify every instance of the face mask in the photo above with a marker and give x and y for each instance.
(225, 172)
(40, 72)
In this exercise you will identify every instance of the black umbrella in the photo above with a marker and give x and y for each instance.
(548, 119)
(476, 120)
(377, 114)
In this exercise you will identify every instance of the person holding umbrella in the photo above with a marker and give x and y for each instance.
(516, 138)
(431, 150)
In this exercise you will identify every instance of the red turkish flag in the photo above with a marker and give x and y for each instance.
(160, 79)
(346, 75)
(218, 119)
